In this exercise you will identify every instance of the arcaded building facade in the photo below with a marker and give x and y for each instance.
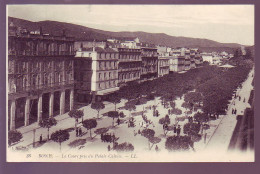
(40, 76)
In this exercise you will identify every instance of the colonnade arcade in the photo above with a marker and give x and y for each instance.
(30, 109)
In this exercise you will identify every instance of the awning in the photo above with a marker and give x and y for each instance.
(107, 91)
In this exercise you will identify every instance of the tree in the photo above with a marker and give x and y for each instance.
(248, 54)
(14, 136)
(165, 122)
(101, 131)
(124, 147)
(76, 114)
(115, 99)
(130, 105)
(154, 140)
(148, 133)
(177, 143)
(122, 115)
(90, 124)
(176, 111)
(60, 136)
(113, 115)
(192, 130)
(187, 106)
(48, 123)
(98, 106)
(193, 98)
(201, 117)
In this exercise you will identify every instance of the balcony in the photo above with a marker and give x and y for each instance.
(40, 53)
(20, 90)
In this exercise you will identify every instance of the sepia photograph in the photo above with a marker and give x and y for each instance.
(130, 83)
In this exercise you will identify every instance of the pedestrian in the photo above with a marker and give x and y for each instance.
(41, 138)
(77, 132)
(108, 148)
(169, 111)
(118, 121)
(156, 148)
(174, 129)
(80, 131)
(244, 100)
(232, 111)
(205, 138)
(178, 130)
(235, 112)
(102, 138)
(239, 98)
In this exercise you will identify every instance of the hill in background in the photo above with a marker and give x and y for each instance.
(86, 33)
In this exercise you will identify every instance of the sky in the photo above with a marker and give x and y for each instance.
(222, 23)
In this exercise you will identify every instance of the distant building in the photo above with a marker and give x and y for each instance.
(163, 50)
(149, 63)
(187, 60)
(192, 58)
(129, 65)
(89, 44)
(163, 65)
(177, 63)
(130, 43)
(102, 74)
(208, 57)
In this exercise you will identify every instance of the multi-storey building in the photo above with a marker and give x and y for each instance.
(187, 60)
(177, 63)
(192, 58)
(163, 65)
(198, 60)
(149, 63)
(129, 66)
(40, 76)
(96, 73)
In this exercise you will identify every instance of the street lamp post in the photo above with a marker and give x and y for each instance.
(34, 130)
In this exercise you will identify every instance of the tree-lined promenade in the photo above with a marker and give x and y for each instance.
(206, 90)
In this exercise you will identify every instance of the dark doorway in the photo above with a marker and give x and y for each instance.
(56, 106)
(20, 112)
(45, 105)
(33, 111)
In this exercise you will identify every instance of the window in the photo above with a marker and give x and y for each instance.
(109, 75)
(99, 76)
(105, 76)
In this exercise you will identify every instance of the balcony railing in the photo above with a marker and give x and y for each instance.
(39, 87)
(41, 53)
